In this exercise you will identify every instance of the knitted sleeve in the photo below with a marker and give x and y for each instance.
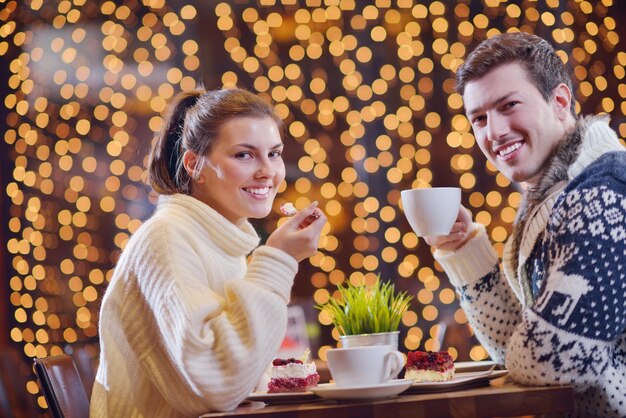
(485, 295)
(572, 333)
(203, 350)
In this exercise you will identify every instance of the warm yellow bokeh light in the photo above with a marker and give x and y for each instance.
(365, 92)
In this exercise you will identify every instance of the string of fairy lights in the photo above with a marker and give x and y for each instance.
(366, 91)
(86, 87)
(374, 85)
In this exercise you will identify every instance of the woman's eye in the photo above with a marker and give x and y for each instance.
(275, 154)
(243, 155)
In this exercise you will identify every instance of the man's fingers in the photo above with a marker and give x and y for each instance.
(441, 241)
(458, 227)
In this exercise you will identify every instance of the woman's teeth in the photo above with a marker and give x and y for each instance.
(258, 191)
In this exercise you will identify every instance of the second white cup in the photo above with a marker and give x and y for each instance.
(364, 366)
(431, 211)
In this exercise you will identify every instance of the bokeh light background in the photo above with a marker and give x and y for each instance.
(366, 91)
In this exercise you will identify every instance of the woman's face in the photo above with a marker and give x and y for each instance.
(243, 170)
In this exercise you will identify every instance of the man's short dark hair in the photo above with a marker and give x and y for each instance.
(544, 67)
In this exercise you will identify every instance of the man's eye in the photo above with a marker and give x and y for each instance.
(511, 104)
(478, 120)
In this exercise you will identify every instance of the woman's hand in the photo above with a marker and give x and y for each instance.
(461, 233)
(300, 234)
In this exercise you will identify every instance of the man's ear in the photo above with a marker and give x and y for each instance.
(561, 100)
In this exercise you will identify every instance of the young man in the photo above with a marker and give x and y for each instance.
(556, 312)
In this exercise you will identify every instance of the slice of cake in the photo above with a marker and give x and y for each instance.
(429, 366)
(292, 375)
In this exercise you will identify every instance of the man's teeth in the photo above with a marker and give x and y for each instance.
(261, 191)
(510, 149)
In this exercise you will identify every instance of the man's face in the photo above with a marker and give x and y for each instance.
(514, 126)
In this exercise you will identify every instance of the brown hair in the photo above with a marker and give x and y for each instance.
(543, 66)
(193, 123)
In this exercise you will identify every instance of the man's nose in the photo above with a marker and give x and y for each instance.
(497, 127)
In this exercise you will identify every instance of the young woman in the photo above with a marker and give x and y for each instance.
(187, 324)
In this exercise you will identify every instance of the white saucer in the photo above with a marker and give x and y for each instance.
(473, 366)
(459, 381)
(384, 390)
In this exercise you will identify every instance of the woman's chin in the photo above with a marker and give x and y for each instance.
(260, 213)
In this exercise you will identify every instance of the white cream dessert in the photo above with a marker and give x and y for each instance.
(288, 209)
(292, 375)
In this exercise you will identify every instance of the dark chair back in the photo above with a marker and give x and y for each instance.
(15, 370)
(62, 387)
(84, 357)
(5, 404)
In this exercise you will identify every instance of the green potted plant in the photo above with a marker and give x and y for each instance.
(367, 315)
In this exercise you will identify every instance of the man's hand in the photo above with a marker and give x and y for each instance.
(462, 231)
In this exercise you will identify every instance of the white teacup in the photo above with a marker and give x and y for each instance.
(431, 211)
(364, 366)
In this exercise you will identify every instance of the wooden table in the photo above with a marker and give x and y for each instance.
(502, 398)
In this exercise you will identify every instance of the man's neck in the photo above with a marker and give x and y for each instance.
(569, 126)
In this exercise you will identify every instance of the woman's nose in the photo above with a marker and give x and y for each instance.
(266, 168)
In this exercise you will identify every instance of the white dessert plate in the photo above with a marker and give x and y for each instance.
(385, 390)
(459, 381)
(474, 366)
(281, 397)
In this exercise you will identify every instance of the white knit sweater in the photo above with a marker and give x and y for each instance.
(186, 326)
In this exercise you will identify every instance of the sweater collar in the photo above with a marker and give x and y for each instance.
(590, 138)
(229, 237)
(576, 151)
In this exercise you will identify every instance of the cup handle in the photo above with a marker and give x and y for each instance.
(394, 361)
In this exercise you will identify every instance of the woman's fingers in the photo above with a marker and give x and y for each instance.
(317, 213)
(300, 235)
(306, 216)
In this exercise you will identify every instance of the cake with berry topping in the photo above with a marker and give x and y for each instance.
(429, 366)
(292, 375)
